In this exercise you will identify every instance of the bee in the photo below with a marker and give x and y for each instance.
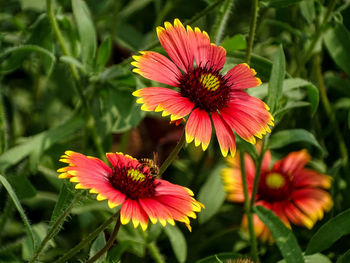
(152, 165)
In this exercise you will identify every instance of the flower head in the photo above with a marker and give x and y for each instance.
(294, 193)
(203, 91)
(131, 184)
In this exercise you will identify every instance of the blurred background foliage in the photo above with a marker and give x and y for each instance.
(79, 98)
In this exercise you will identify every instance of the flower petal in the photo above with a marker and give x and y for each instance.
(198, 127)
(131, 210)
(157, 67)
(247, 116)
(119, 159)
(293, 162)
(224, 134)
(309, 178)
(241, 76)
(205, 53)
(166, 100)
(295, 216)
(175, 42)
(156, 211)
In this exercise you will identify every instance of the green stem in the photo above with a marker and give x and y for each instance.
(91, 124)
(329, 111)
(108, 244)
(311, 48)
(221, 23)
(54, 228)
(87, 240)
(257, 171)
(154, 251)
(248, 210)
(172, 156)
(252, 27)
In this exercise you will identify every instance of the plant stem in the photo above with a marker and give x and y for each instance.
(329, 111)
(257, 171)
(252, 27)
(91, 124)
(54, 228)
(108, 244)
(311, 48)
(248, 210)
(221, 21)
(154, 251)
(87, 240)
(172, 156)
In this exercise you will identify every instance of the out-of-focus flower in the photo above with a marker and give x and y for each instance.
(203, 91)
(132, 185)
(294, 193)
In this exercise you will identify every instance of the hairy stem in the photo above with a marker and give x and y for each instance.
(221, 21)
(108, 244)
(248, 210)
(172, 156)
(252, 28)
(91, 124)
(87, 240)
(154, 251)
(329, 111)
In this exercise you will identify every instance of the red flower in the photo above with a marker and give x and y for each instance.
(203, 91)
(296, 194)
(130, 184)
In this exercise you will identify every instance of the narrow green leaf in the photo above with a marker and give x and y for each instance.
(75, 62)
(39, 143)
(276, 80)
(316, 258)
(103, 53)
(307, 9)
(281, 3)
(329, 233)
(337, 40)
(219, 257)
(345, 258)
(20, 209)
(284, 238)
(286, 137)
(86, 30)
(212, 195)
(289, 106)
(178, 242)
(22, 186)
(99, 243)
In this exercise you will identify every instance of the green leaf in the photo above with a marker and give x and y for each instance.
(280, 3)
(276, 80)
(178, 242)
(329, 233)
(316, 258)
(307, 9)
(285, 240)
(237, 42)
(286, 137)
(75, 62)
(337, 40)
(99, 243)
(345, 258)
(19, 52)
(22, 186)
(211, 194)
(289, 106)
(20, 209)
(86, 30)
(103, 53)
(219, 257)
(39, 143)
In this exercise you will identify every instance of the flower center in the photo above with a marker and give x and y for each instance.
(206, 88)
(134, 182)
(274, 186)
(275, 180)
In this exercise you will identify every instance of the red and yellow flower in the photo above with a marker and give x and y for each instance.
(203, 91)
(131, 184)
(294, 193)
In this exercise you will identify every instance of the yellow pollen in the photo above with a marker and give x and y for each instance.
(136, 175)
(275, 180)
(210, 81)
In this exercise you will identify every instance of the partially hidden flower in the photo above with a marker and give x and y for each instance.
(294, 193)
(131, 184)
(203, 91)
